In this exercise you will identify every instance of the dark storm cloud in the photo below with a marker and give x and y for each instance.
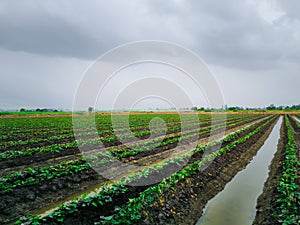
(230, 33)
(30, 27)
(47, 45)
(234, 34)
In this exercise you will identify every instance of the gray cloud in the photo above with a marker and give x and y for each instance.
(237, 36)
(57, 39)
(232, 35)
(35, 29)
(290, 8)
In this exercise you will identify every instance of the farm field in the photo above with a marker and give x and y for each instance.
(46, 179)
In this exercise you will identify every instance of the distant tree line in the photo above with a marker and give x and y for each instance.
(38, 110)
(288, 108)
(239, 108)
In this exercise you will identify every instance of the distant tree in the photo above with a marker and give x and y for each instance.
(90, 109)
(194, 108)
(271, 107)
(22, 110)
(295, 107)
(37, 110)
(235, 108)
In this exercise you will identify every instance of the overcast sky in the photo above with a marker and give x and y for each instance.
(252, 47)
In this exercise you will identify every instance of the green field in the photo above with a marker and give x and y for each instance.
(42, 165)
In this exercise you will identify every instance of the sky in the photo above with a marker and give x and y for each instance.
(252, 47)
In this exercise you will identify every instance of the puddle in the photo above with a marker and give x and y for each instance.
(296, 118)
(236, 204)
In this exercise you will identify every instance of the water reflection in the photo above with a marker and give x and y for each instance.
(236, 204)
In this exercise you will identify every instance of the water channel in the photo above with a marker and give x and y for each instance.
(236, 203)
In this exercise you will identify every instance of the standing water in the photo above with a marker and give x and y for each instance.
(296, 118)
(236, 204)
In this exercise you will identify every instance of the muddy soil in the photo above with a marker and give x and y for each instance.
(89, 214)
(24, 199)
(184, 204)
(26, 160)
(210, 179)
(148, 160)
(40, 157)
(161, 149)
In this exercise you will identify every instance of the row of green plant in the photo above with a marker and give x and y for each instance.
(34, 176)
(29, 128)
(100, 158)
(136, 148)
(298, 116)
(14, 128)
(288, 208)
(108, 191)
(60, 147)
(184, 128)
(105, 133)
(296, 122)
(31, 151)
(39, 124)
(137, 207)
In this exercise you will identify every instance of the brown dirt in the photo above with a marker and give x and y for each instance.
(38, 196)
(168, 150)
(33, 115)
(27, 160)
(9, 170)
(28, 198)
(87, 215)
(7, 164)
(203, 141)
(138, 113)
(185, 203)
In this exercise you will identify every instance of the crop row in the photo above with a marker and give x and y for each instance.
(109, 192)
(105, 134)
(19, 126)
(85, 132)
(297, 123)
(15, 131)
(287, 210)
(34, 176)
(133, 211)
(191, 135)
(84, 143)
